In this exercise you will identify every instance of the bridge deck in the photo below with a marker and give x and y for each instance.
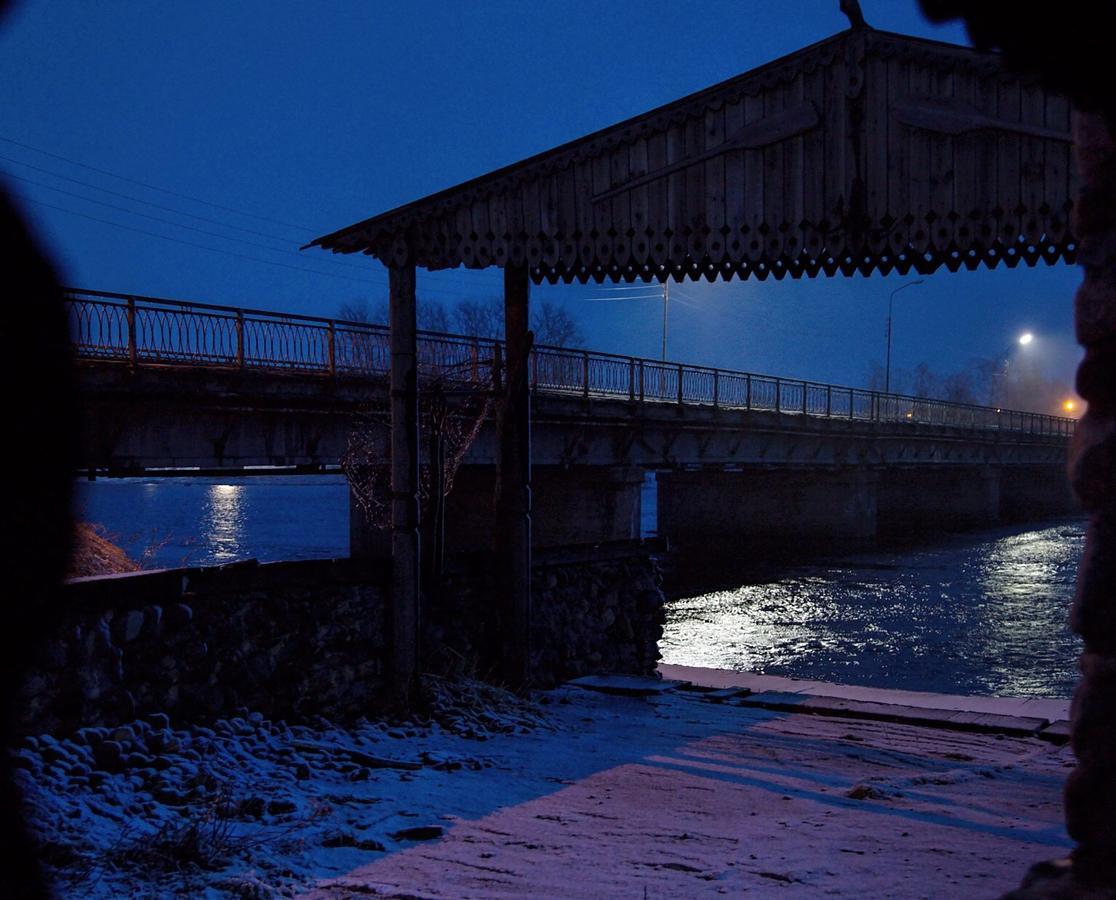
(143, 331)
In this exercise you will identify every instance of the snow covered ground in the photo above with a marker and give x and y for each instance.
(577, 795)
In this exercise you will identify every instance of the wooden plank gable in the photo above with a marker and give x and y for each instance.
(866, 152)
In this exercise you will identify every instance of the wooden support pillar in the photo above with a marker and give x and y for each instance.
(513, 490)
(404, 484)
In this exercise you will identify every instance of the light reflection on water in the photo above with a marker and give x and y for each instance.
(204, 521)
(983, 614)
(224, 522)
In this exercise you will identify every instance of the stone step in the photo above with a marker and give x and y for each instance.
(784, 701)
(628, 685)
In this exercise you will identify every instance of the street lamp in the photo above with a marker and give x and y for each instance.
(890, 300)
(999, 392)
(1024, 340)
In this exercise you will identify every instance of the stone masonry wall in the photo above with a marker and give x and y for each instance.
(296, 639)
(593, 615)
(285, 639)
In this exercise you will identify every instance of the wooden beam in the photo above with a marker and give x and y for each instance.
(404, 483)
(513, 492)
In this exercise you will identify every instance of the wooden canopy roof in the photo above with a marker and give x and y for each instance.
(867, 151)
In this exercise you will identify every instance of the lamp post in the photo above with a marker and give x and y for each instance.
(890, 302)
(1024, 340)
(1001, 372)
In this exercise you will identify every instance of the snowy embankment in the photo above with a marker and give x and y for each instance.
(578, 794)
(249, 807)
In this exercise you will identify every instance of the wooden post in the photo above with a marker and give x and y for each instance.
(405, 551)
(132, 351)
(513, 491)
(240, 339)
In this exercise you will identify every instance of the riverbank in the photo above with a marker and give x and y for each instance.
(577, 793)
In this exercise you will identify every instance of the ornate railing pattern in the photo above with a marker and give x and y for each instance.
(151, 331)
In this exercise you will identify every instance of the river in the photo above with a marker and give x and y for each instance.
(980, 613)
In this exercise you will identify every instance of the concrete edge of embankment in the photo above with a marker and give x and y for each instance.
(1044, 718)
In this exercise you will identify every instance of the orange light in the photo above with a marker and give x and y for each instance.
(1069, 406)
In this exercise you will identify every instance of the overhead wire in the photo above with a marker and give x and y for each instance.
(152, 187)
(124, 196)
(302, 228)
(165, 237)
(132, 212)
(373, 277)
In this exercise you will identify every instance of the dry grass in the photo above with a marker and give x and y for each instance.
(95, 554)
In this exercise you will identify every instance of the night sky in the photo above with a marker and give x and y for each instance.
(293, 119)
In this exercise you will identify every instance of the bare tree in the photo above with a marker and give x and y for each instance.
(480, 318)
(924, 383)
(875, 380)
(432, 315)
(554, 326)
(960, 387)
(362, 311)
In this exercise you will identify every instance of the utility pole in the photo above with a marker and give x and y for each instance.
(666, 305)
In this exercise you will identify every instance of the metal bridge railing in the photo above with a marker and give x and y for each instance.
(153, 331)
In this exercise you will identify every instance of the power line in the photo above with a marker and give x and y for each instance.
(123, 196)
(630, 287)
(370, 281)
(189, 243)
(303, 228)
(655, 296)
(160, 219)
(173, 224)
(153, 187)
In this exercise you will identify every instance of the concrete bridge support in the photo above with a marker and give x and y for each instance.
(578, 505)
(1036, 492)
(768, 508)
(942, 498)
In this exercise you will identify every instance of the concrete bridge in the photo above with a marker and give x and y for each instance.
(190, 388)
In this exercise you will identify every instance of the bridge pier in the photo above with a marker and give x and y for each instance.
(577, 505)
(1036, 492)
(768, 508)
(921, 500)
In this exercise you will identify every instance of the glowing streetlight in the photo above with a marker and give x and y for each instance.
(1025, 338)
(1069, 405)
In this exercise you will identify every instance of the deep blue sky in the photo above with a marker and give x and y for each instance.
(315, 115)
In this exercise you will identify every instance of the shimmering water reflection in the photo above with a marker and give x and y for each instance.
(207, 521)
(983, 614)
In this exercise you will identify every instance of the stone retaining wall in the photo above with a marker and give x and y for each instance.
(600, 611)
(295, 639)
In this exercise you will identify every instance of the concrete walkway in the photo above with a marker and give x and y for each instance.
(700, 793)
(1044, 716)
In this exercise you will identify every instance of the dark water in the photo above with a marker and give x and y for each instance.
(980, 614)
(205, 521)
(983, 613)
